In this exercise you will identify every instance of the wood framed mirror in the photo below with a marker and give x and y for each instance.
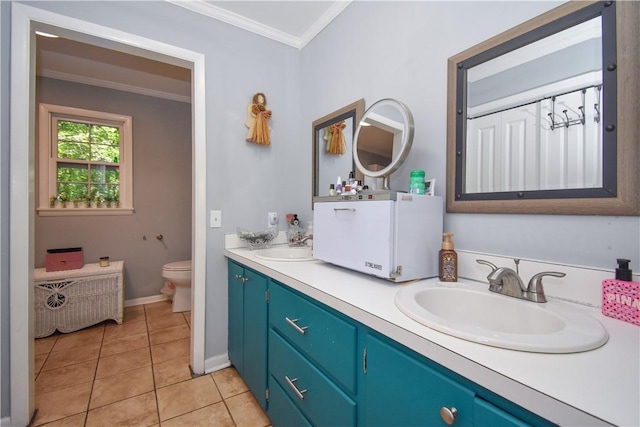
(328, 162)
(536, 126)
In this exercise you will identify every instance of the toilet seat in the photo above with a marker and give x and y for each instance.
(177, 266)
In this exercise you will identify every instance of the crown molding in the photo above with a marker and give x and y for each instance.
(323, 21)
(113, 85)
(199, 6)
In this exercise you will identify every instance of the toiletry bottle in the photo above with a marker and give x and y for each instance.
(416, 182)
(448, 260)
(332, 190)
(339, 186)
(621, 296)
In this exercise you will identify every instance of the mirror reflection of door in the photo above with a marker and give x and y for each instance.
(541, 130)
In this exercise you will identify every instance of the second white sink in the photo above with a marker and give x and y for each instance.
(285, 254)
(502, 321)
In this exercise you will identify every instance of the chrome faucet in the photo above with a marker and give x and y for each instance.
(504, 280)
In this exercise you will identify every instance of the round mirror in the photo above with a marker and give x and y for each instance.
(383, 140)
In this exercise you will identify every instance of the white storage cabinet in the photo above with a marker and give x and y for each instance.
(74, 299)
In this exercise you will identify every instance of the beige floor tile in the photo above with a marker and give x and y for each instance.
(165, 321)
(171, 372)
(171, 333)
(213, 415)
(134, 308)
(44, 345)
(121, 386)
(111, 365)
(87, 336)
(229, 382)
(121, 345)
(113, 331)
(71, 356)
(66, 376)
(187, 396)
(135, 411)
(62, 403)
(246, 411)
(170, 350)
(39, 361)
(72, 421)
(187, 317)
(134, 315)
(158, 308)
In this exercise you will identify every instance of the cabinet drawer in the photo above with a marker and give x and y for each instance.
(282, 411)
(323, 337)
(486, 414)
(318, 398)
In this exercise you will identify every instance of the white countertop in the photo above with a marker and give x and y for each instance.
(590, 388)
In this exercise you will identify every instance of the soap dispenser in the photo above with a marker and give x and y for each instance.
(448, 260)
(621, 296)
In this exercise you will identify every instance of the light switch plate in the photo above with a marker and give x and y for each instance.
(215, 219)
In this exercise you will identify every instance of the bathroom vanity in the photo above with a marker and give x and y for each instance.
(315, 336)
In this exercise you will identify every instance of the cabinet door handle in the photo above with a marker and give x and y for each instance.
(238, 276)
(291, 382)
(344, 209)
(292, 322)
(448, 415)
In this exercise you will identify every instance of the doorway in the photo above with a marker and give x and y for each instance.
(25, 19)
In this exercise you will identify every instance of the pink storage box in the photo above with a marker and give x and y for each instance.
(64, 259)
(621, 300)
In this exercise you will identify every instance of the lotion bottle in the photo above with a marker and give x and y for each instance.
(448, 260)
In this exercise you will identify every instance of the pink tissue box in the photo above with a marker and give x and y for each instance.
(621, 300)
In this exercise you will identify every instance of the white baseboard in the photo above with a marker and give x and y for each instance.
(216, 363)
(145, 300)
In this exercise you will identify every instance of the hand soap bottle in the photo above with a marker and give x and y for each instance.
(448, 260)
(621, 296)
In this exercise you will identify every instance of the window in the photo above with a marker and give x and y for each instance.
(85, 162)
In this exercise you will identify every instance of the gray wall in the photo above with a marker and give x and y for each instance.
(400, 49)
(372, 50)
(161, 183)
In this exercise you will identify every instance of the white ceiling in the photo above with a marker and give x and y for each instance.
(292, 22)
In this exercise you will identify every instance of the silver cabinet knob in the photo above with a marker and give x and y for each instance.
(448, 415)
(159, 237)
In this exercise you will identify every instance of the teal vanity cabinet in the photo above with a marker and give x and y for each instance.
(402, 390)
(326, 369)
(401, 387)
(312, 362)
(248, 327)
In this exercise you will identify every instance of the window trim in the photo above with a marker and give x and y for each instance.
(47, 160)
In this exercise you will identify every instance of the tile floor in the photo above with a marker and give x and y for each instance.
(135, 374)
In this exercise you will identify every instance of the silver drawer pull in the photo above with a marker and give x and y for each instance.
(448, 415)
(344, 209)
(293, 323)
(291, 382)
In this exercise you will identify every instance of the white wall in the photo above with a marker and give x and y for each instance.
(400, 50)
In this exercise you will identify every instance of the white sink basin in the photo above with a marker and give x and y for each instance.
(285, 254)
(501, 321)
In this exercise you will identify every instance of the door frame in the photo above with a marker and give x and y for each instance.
(24, 19)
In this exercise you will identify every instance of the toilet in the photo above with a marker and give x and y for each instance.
(179, 273)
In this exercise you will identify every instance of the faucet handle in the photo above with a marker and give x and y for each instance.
(535, 288)
(483, 262)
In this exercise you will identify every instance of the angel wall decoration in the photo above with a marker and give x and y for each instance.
(258, 116)
(334, 134)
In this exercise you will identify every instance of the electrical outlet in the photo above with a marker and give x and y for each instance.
(215, 219)
(272, 219)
